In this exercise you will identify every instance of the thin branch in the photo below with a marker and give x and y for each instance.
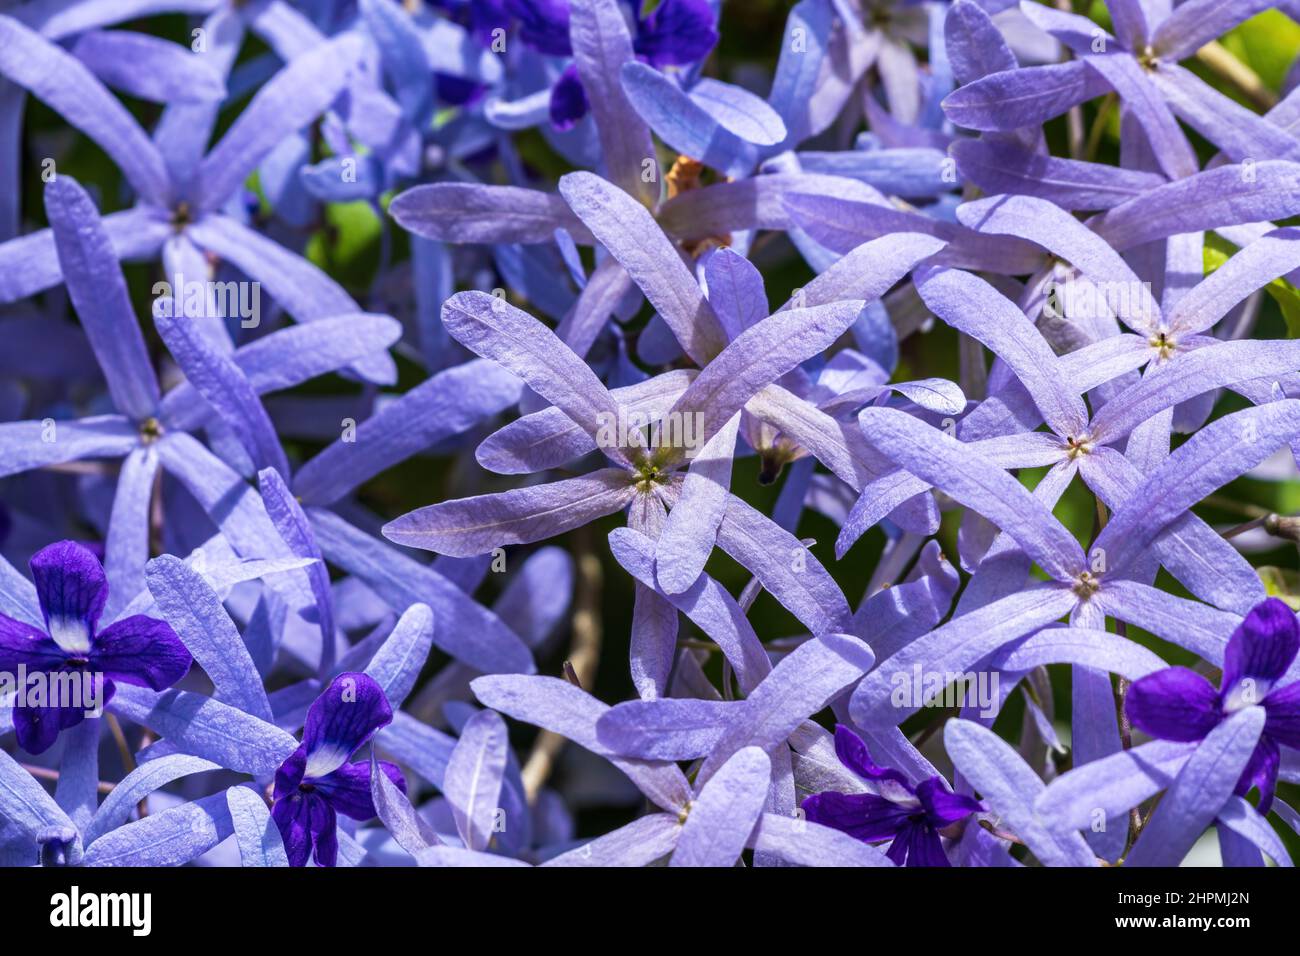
(584, 656)
(45, 773)
(1225, 66)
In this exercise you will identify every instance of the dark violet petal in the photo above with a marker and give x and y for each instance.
(852, 751)
(349, 712)
(1283, 708)
(1260, 650)
(72, 589)
(36, 728)
(677, 33)
(942, 806)
(142, 651)
(1174, 704)
(27, 646)
(568, 100)
(293, 818)
(924, 848)
(348, 788)
(1261, 771)
(867, 817)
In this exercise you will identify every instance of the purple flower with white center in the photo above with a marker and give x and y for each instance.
(317, 782)
(72, 589)
(677, 33)
(1181, 705)
(912, 817)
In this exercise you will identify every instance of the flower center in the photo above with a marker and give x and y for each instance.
(1147, 59)
(150, 430)
(1077, 446)
(182, 216)
(1163, 344)
(1086, 585)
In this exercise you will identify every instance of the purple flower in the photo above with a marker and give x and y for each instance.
(317, 782)
(677, 33)
(72, 589)
(1179, 704)
(912, 817)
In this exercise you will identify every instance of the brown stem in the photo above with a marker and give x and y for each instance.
(1240, 529)
(45, 773)
(1224, 65)
(584, 656)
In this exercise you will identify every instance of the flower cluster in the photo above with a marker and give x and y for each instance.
(867, 429)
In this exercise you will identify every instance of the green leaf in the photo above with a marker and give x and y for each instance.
(1282, 583)
(1266, 43)
(1218, 251)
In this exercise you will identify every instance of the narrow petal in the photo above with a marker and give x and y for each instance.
(1214, 456)
(1197, 22)
(956, 297)
(175, 836)
(900, 685)
(219, 380)
(194, 609)
(558, 706)
(492, 328)
(632, 236)
(1108, 788)
(724, 814)
(59, 79)
(473, 782)
(1005, 166)
(466, 629)
(207, 728)
(1216, 198)
(292, 99)
(448, 404)
(148, 67)
(396, 665)
(785, 566)
(469, 212)
(477, 525)
(98, 291)
(799, 686)
(1200, 791)
(965, 475)
(601, 46)
(706, 602)
(1030, 96)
